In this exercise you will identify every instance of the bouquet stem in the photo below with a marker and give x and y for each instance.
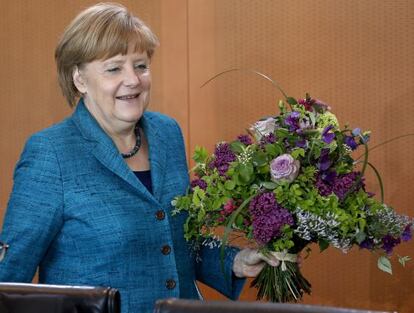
(277, 285)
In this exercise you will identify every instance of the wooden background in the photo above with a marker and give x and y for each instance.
(357, 55)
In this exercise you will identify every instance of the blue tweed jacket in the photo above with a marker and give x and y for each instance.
(80, 214)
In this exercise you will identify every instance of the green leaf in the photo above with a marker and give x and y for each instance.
(201, 214)
(282, 133)
(200, 154)
(312, 118)
(245, 173)
(259, 159)
(323, 245)
(237, 147)
(272, 150)
(297, 152)
(239, 220)
(384, 264)
(360, 236)
(269, 185)
(291, 100)
(229, 184)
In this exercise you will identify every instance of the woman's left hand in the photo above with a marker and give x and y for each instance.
(249, 262)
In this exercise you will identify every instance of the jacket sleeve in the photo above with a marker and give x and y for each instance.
(34, 211)
(209, 270)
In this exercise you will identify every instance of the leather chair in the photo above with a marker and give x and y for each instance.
(38, 298)
(195, 306)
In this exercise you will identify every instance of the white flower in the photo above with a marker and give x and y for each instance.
(264, 127)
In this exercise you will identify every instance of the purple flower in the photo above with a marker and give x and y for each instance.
(367, 244)
(343, 184)
(324, 161)
(329, 176)
(350, 142)
(269, 138)
(324, 188)
(356, 132)
(269, 226)
(263, 204)
(293, 121)
(245, 139)
(301, 143)
(389, 242)
(199, 182)
(284, 167)
(328, 182)
(327, 136)
(407, 233)
(223, 156)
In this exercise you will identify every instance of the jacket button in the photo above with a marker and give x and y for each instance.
(166, 249)
(160, 215)
(170, 284)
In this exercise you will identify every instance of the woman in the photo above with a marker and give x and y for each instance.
(91, 198)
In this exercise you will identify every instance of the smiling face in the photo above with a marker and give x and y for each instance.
(116, 91)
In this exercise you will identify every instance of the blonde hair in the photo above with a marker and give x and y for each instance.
(99, 32)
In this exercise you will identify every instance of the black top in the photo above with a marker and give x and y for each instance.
(145, 178)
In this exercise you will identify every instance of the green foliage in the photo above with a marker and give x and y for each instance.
(320, 217)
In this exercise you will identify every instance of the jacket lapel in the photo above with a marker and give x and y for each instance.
(104, 149)
(157, 153)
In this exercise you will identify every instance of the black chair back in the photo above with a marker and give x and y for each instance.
(38, 298)
(196, 306)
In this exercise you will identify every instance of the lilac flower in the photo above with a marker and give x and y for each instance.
(284, 167)
(293, 121)
(223, 156)
(329, 176)
(324, 161)
(268, 226)
(324, 188)
(328, 182)
(327, 136)
(199, 182)
(343, 184)
(350, 142)
(407, 233)
(262, 204)
(389, 242)
(245, 139)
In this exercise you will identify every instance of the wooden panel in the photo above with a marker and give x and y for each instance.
(355, 55)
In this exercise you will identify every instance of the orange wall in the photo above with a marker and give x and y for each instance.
(355, 55)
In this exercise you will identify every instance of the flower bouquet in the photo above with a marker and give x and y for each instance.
(290, 181)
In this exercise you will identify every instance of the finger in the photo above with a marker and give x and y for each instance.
(270, 259)
(252, 256)
(253, 270)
